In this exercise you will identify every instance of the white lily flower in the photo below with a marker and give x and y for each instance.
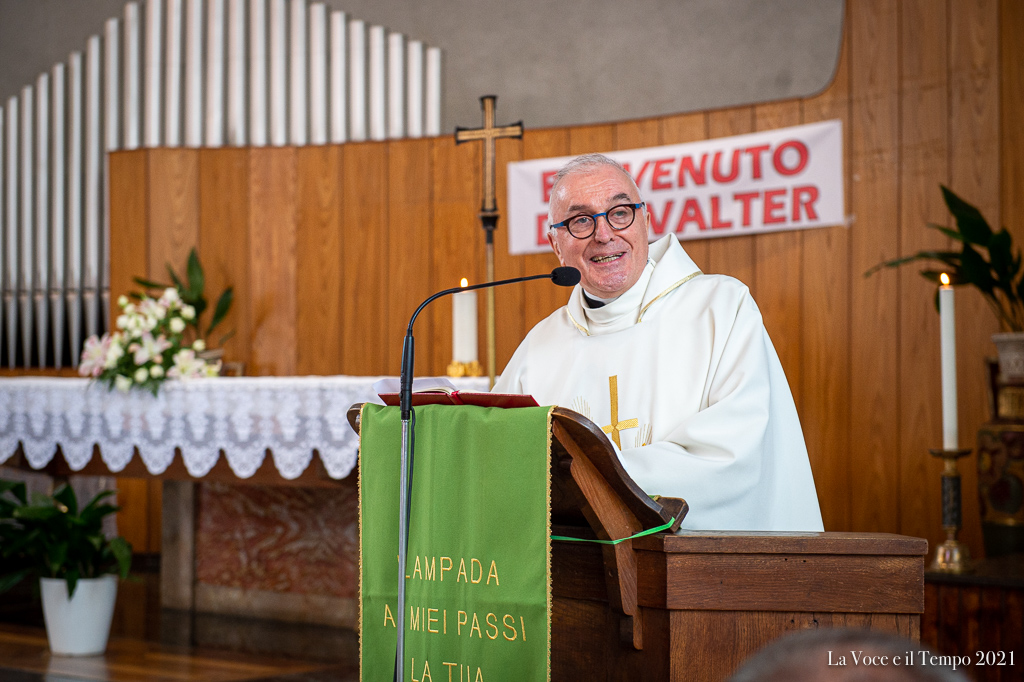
(199, 345)
(122, 383)
(94, 356)
(141, 374)
(177, 325)
(114, 353)
(150, 347)
(186, 365)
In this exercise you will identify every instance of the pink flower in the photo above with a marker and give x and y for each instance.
(148, 348)
(94, 356)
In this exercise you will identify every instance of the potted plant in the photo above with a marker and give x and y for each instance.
(50, 538)
(987, 261)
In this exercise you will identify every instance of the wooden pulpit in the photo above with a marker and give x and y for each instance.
(692, 605)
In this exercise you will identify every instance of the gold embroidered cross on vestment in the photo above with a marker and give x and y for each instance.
(616, 426)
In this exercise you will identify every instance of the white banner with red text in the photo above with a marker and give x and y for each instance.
(784, 179)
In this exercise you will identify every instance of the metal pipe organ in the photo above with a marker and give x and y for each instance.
(171, 73)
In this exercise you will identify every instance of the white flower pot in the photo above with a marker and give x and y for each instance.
(79, 626)
(1011, 355)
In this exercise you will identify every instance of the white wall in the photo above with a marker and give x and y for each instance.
(550, 62)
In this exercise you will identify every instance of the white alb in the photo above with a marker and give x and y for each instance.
(679, 370)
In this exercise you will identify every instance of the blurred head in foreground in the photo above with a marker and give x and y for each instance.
(848, 655)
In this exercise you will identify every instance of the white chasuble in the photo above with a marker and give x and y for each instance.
(680, 374)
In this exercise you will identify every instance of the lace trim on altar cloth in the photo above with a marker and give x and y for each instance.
(242, 416)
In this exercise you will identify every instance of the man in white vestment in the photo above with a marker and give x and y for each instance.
(675, 365)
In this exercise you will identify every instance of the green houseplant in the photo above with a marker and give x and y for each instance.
(985, 260)
(49, 538)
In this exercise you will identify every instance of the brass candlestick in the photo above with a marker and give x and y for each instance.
(465, 369)
(951, 556)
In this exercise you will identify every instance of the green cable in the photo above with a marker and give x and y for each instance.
(615, 542)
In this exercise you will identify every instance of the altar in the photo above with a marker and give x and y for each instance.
(258, 504)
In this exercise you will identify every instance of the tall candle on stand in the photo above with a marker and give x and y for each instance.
(947, 334)
(464, 326)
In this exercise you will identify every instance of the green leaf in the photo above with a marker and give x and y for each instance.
(976, 271)
(221, 309)
(65, 494)
(951, 258)
(9, 580)
(1000, 257)
(969, 221)
(72, 581)
(16, 488)
(93, 516)
(7, 508)
(100, 496)
(182, 289)
(122, 551)
(27, 540)
(1020, 290)
(224, 338)
(952, 234)
(56, 556)
(936, 276)
(149, 284)
(196, 279)
(36, 513)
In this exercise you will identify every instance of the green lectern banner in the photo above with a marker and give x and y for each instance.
(478, 595)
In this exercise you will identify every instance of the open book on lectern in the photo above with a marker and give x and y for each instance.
(440, 391)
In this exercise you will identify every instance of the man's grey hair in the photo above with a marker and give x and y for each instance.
(586, 163)
(804, 656)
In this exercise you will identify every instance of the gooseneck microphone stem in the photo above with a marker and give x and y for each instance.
(563, 276)
(405, 399)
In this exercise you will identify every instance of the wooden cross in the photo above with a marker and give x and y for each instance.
(616, 425)
(488, 133)
(489, 211)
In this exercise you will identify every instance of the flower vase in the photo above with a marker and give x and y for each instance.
(1010, 346)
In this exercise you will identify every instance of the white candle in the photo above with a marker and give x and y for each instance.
(464, 326)
(947, 334)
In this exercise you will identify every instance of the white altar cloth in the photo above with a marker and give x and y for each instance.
(241, 416)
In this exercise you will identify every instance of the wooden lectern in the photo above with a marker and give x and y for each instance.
(691, 605)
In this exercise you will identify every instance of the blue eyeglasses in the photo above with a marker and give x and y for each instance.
(582, 225)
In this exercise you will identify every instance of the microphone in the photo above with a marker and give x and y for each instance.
(566, 276)
(563, 277)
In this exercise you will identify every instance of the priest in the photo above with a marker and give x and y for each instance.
(675, 365)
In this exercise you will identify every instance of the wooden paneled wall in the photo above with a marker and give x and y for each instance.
(331, 248)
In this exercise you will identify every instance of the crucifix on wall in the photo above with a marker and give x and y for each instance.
(489, 133)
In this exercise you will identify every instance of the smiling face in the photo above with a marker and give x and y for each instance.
(610, 261)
